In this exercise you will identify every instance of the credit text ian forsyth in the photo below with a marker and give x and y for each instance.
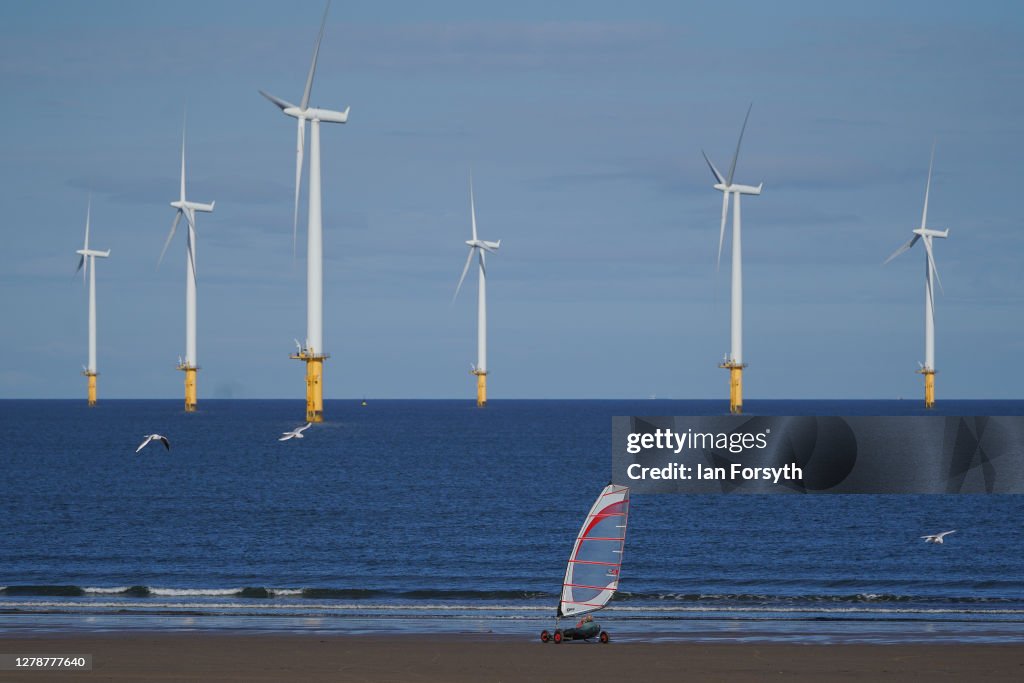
(698, 443)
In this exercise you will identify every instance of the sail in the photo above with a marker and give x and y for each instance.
(592, 575)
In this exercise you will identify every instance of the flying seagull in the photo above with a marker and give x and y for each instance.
(154, 437)
(295, 433)
(937, 538)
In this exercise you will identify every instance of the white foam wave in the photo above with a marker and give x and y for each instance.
(196, 592)
(117, 589)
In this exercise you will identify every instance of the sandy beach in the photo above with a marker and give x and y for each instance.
(222, 657)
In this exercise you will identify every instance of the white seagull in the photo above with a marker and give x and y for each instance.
(295, 433)
(154, 437)
(937, 538)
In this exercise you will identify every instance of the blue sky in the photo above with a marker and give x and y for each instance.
(583, 124)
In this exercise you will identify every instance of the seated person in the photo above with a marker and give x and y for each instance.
(585, 628)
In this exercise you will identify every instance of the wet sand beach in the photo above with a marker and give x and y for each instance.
(208, 656)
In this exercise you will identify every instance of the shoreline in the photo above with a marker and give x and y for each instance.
(426, 658)
(707, 630)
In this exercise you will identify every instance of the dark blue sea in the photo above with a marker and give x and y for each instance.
(438, 517)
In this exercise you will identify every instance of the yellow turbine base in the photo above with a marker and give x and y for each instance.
(314, 390)
(736, 390)
(190, 390)
(735, 386)
(481, 389)
(314, 383)
(92, 388)
(929, 388)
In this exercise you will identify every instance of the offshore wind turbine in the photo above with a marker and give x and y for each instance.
(724, 184)
(188, 209)
(478, 247)
(313, 352)
(931, 275)
(87, 264)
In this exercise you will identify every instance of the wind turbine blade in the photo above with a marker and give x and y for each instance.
(483, 263)
(721, 232)
(191, 255)
(931, 300)
(170, 236)
(190, 217)
(732, 168)
(903, 248)
(281, 104)
(927, 187)
(469, 259)
(931, 262)
(83, 261)
(183, 160)
(316, 53)
(300, 146)
(472, 206)
(88, 215)
(714, 171)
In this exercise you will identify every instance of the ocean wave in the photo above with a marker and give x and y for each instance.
(205, 592)
(267, 593)
(501, 611)
(65, 591)
(948, 583)
(760, 598)
(263, 593)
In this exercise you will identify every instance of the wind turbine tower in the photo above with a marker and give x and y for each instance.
(313, 351)
(724, 184)
(478, 247)
(931, 276)
(188, 209)
(87, 264)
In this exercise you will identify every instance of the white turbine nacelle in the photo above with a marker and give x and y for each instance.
(308, 113)
(93, 252)
(928, 232)
(483, 244)
(194, 206)
(314, 114)
(739, 189)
